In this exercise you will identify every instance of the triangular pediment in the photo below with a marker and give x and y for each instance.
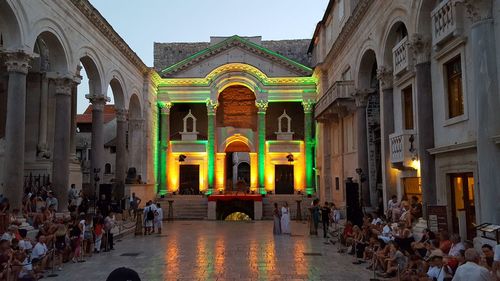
(236, 50)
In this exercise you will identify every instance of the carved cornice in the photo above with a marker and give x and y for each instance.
(238, 67)
(17, 62)
(93, 15)
(479, 10)
(244, 44)
(349, 27)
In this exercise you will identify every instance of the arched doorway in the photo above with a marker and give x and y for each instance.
(237, 176)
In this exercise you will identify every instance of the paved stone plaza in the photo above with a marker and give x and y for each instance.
(205, 250)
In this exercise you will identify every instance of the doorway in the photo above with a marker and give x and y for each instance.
(189, 183)
(463, 207)
(284, 179)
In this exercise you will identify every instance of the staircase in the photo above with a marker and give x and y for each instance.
(269, 200)
(186, 207)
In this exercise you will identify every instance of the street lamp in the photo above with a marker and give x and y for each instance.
(96, 180)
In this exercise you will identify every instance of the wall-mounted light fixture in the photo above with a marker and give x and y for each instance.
(182, 158)
(290, 158)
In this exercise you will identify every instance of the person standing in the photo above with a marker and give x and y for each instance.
(325, 218)
(471, 270)
(73, 196)
(109, 224)
(134, 204)
(158, 217)
(285, 219)
(52, 201)
(277, 220)
(148, 218)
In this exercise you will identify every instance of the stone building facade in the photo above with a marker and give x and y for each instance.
(408, 93)
(43, 47)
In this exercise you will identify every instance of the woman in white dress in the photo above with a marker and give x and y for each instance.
(285, 219)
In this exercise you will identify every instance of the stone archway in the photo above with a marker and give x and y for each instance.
(237, 152)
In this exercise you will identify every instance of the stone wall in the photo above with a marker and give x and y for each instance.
(168, 54)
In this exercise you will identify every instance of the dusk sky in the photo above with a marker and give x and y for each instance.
(141, 23)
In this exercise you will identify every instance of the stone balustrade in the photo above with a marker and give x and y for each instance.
(402, 57)
(447, 20)
(339, 90)
(403, 150)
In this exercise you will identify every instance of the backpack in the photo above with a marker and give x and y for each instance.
(150, 215)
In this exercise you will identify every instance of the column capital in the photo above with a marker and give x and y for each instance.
(478, 10)
(18, 62)
(64, 86)
(308, 105)
(121, 114)
(211, 106)
(165, 107)
(361, 96)
(421, 48)
(98, 101)
(261, 105)
(386, 77)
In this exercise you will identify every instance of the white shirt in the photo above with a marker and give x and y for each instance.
(25, 245)
(376, 221)
(26, 269)
(39, 251)
(497, 253)
(391, 205)
(159, 211)
(436, 272)
(471, 271)
(7, 236)
(455, 249)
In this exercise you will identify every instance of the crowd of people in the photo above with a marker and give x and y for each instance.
(387, 246)
(39, 239)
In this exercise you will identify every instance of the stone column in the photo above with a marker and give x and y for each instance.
(425, 120)
(261, 127)
(62, 137)
(361, 99)
(485, 85)
(17, 66)
(121, 152)
(135, 144)
(164, 108)
(97, 141)
(211, 109)
(74, 102)
(389, 179)
(309, 145)
(42, 147)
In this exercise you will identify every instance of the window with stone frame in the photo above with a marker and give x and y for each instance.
(407, 97)
(107, 168)
(453, 74)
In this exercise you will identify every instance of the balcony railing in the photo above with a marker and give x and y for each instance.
(402, 56)
(339, 90)
(447, 20)
(403, 148)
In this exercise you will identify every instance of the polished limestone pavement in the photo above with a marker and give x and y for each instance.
(208, 250)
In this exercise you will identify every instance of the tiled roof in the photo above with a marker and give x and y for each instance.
(86, 117)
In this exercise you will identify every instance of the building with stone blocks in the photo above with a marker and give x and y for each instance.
(408, 93)
(43, 47)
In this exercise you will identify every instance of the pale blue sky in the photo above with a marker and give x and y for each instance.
(141, 23)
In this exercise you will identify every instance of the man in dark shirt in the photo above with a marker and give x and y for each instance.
(325, 218)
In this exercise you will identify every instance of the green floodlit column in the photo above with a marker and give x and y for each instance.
(164, 136)
(211, 109)
(262, 107)
(309, 145)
